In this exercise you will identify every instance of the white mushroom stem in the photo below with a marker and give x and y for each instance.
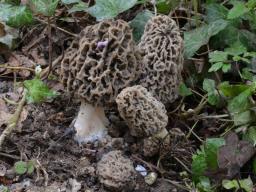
(90, 124)
(163, 135)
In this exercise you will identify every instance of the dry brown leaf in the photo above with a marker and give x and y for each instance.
(4, 118)
(234, 154)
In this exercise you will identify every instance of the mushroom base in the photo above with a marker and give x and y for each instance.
(90, 124)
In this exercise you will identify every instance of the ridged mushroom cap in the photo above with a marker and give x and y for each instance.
(116, 171)
(101, 62)
(162, 48)
(143, 113)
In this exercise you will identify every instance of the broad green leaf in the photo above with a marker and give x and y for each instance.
(226, 67)
(248, 39)
(241, 102)
(81, 6)
(44, 7)
(165, 6)
(70, 1)
(236, 49)
(250, 135)
(198, 166)
(218, 56)
(10, 34)
(20, 167)
(243, 118)
(139, 22)
(247, 74)
(232, 90)
(216, 66)
(184, 90)
(38, 91)
(209, 85)
(204, 185)
(30, 166)
(108, 9)
(215, 11)
(193, 41)
(238, 10)
(211, 148)
(213, 98)
(245, 184)
(15, 16)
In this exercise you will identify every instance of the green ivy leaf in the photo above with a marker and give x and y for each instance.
(20, 167)
(165, 6)
(30, 166)
(240, 103)
(15, 16)
(232, 90)
(209, 85)
(226, 67)
(193, 41)
(218, 56)
(139, 22)
(108, 9)
(70, 1)
(215, 11)
(38, 91)
(245, 184)
(250, 135)
(211, 148)
(184, 90)
(44, 7)
(216, 66)
(10, 34)
(238, 10)
(81, 6)
(236, 49)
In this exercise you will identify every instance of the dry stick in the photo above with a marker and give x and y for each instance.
(63, 30)
(50, 45)
(13, 120)
(16, 68)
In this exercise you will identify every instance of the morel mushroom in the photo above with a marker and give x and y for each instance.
(162, 49)
(96, 67)
(116, 171)
(144, 114)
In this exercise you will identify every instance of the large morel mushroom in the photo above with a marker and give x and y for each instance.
(162, 49)
(95, 68)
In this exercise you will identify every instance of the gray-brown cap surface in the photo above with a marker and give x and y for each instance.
(144, 114)
(101, 62)
(116, 171)
(162, 48)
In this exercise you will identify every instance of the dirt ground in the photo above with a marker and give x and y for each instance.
(45, 136)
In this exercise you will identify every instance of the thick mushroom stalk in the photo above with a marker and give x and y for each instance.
(90, 124)
(96, 67)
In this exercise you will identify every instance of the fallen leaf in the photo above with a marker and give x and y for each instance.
(4, 118)
(234, 154)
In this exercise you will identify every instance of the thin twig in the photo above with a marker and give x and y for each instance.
(176, 184)
(63, 30)
(16, 68)
(50, 46)
(13, 120)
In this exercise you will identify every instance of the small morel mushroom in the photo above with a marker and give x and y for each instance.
(95, 68)
(116, 171)
(144, 114)
(162, 50)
